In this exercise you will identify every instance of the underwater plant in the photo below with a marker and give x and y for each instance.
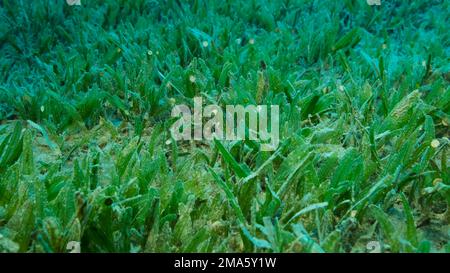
(88, 162)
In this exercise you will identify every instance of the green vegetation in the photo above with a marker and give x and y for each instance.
(86, 154)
